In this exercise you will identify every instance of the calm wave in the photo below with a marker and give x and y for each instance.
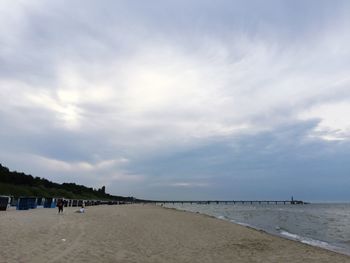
(323, 225)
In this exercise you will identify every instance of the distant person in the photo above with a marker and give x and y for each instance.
(60, 205)
(82, 208)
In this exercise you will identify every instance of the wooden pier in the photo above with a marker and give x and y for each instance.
(232, 202)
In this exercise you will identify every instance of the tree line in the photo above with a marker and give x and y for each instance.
(21, 184)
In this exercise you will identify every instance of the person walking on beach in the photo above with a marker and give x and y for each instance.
(60, 206)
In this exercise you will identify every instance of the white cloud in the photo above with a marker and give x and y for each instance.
(334, 120)
(189, 184)
(77, 166)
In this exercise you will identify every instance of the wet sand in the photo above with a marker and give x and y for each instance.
(137, 233)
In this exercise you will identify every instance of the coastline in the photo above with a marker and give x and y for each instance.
(284, 235)
(143, 233)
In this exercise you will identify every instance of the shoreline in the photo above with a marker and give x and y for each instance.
(143, 233)
(327, 248)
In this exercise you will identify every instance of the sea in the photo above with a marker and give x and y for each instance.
(321, 225)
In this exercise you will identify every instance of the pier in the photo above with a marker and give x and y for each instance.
(231, 202)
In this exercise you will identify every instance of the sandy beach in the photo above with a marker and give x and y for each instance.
(137, 233)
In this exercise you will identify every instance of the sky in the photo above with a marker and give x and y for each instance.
(181, 100)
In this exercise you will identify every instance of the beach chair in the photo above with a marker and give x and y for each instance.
(50, 202)
(4, 202)
(22, 203)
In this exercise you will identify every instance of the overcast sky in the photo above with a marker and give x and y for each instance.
(179, 99)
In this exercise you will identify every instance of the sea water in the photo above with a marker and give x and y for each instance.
(322, 225)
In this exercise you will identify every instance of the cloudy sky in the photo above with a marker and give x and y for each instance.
(179, 99)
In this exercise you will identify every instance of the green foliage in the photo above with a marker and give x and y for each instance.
(20, 184)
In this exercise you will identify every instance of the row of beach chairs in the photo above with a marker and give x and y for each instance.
(25, 203)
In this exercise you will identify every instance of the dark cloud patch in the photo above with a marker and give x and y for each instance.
(274, 164)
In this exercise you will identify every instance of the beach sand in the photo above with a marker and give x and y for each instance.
(137, 233)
